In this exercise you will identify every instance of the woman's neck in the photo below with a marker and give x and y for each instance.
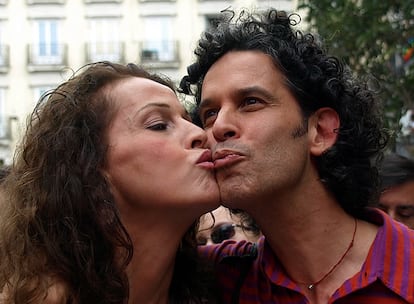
(151, 269)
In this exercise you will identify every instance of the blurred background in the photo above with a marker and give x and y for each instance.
(42, 42)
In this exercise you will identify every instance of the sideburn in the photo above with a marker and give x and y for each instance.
(302, 129)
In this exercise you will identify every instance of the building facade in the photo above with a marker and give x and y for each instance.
(42, 42)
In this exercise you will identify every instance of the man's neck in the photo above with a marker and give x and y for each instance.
(310, 235)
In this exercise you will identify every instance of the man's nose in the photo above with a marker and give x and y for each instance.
(226, 125)
(391, 212)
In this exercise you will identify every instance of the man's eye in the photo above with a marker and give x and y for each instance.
(252, 102)
(158, 126)
(406, 211)
(208, 115)
(201, 240)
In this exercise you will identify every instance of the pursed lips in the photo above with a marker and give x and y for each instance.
(223, 158)
(205, 160)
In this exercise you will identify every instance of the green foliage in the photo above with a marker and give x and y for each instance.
(371, 36)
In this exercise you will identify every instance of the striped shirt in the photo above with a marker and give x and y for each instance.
(386, 277)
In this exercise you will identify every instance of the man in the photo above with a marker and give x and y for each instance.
(295, 141)
(397, 197)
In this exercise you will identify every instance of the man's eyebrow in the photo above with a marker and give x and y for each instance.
(204, 104)
(406, 206)
(256, 90)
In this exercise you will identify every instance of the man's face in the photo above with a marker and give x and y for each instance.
(398, 202)
(256, 129)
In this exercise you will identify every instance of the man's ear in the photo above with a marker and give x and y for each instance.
(323, 126)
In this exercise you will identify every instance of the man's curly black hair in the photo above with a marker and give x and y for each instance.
(316, 79)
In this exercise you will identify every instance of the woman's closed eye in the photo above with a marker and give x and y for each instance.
(158, 126)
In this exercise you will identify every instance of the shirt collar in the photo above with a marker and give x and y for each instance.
(390, 258)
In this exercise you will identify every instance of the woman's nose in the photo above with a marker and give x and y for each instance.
(198, 137)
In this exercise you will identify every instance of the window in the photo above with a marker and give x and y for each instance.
(4, 121)
(47, 48)
(4, 50)
(159, 43)
(4, 56)
(102, 1)
(104, 40)
(45, 1)
(157, 0)
(40, 90)
(211, 21)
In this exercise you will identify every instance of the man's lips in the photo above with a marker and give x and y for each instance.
(224, 158)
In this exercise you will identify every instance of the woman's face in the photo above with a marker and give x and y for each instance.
(157, 158)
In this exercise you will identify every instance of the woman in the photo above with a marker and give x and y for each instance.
(103, 194)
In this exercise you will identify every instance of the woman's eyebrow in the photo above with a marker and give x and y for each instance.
(154, 104)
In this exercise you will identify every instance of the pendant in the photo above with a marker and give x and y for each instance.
(311, 286)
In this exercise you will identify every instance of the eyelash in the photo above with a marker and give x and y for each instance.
(246, 100)
(205, 116)
(406, 212)
(160, 126)
(209, 111)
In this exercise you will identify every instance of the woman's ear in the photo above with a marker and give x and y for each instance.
(323, 126)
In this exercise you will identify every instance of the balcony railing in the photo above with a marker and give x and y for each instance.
(46, 57)
(159, 53)
(45, 1)
(102, 1)
(4, 58)
(157, 0)
(101, 51)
